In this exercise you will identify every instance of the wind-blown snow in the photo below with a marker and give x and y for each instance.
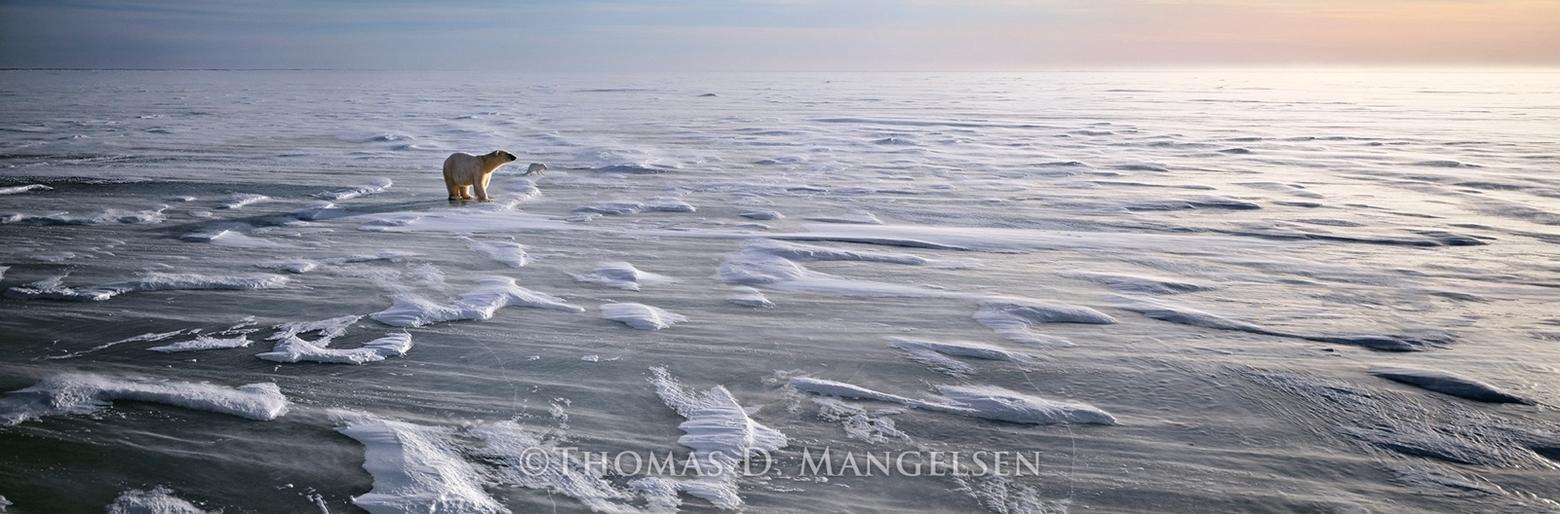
(416, 469)
(850, 391)
(85, 393)
(761, 215)
(53, 288)
(936, 354)
(204, 343)
(107, 217)
(324, 330)
(508, 253)
(1139, 283)
(641, 316)
(1014, 318)
(241, 200)
(1449, 383)
(991, 402)
(770, 264)
(142, 338)
(858, 423)
(492, 293)
(806, 252)
(1183, 315)
(300, 265)
(720, 432)
(620, 275)
(159, 500)
(296, 349)
(749, 297)
(531, 460)
(377, 185)
(23, 189)
(613, 208)
(986, 402)
(669, 204)
(235, 235)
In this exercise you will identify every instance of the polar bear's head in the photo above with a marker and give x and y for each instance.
(504, 156)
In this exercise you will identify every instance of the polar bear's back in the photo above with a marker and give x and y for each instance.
(459, 159)
(462, 169)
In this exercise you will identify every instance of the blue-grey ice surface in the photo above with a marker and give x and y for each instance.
(1189, 291)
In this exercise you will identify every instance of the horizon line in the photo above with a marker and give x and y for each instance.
(1069, 69)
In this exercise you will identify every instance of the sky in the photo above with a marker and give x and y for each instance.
(779, 35)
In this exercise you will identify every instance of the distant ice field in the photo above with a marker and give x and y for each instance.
(1187, 291)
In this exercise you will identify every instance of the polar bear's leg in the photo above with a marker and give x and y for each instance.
(449, 183)
(481, 187)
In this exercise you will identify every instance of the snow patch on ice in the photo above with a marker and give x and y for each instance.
(806, 252)
(492, 293)
(991, 402)
(299, 265)
(1012, 318)
(324, 330)
(509, 253)
(159, 500)
(749, 297)
(1387, 421)
(107, 217)
(417, 469)
(23, 189)
(1449, 383)
(53, 288)
(875, 427)
(769, 263)
(761, 215)
(986, 402)
(204, 343)
(613, 208)
(296, 349)
(1183, 315)
(848, 391)
(1139, 283)
(641, 316)
(230, 234)
(320, 211)
(619, 275)
(852, 218)
(85, 393)
(1002, 495)
(720, 432)
(375, 186)
(936, 354)
(241, 200)
(529, 459)
(669, 204)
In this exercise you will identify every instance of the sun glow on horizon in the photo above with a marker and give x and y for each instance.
(779, 34)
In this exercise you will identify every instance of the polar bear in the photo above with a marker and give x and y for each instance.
(463, 170)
